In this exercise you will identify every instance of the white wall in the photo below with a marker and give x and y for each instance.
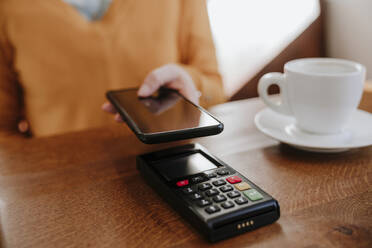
(250, 33)
(349, 31)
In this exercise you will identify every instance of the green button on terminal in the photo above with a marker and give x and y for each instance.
(253, 195)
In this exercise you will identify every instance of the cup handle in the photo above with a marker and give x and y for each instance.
(263, 85)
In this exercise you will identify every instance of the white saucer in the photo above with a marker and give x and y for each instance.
(283, 128)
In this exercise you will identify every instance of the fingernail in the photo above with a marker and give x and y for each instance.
(145, 90)
(118, 118)
(106, 106)
(23, 126)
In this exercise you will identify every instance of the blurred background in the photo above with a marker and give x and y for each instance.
(253, 37)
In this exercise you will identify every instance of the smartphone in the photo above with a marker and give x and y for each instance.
(163, 117)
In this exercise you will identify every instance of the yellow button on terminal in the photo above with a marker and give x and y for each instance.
(242, 186)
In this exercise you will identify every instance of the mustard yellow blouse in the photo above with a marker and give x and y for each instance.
(55, 66)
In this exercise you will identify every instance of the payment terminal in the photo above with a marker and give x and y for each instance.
(217, 200)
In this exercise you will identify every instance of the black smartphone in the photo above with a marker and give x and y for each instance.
(163, 117)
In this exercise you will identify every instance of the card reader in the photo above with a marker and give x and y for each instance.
(217, 200)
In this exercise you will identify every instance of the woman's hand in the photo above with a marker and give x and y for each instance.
(110, 109)
(170, 76)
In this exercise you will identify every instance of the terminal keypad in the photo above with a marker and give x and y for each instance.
(221, 190)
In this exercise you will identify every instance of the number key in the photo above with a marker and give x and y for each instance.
(219, 198)
(219, 182)
(212, 192)
(212, 209)
(196, 196)
(203, 202)
(188, 190)
(241, 200)
(233, 194)
(227, 205)
(205, 186)
(226, 188)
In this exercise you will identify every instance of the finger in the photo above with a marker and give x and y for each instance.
(158, 78)
(174, 77)
(23, 126)
(178, 79)
(189, 91)
(118, 118)
(108, 107)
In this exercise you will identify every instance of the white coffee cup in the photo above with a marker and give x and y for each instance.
(320, 93)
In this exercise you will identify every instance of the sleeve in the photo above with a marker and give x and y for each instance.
(10, 97)
(197, 52)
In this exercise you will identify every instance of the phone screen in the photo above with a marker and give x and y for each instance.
(164, 112)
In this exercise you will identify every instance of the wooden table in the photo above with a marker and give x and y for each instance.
(83, 190)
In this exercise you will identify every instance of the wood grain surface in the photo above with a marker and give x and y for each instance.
(83, 190)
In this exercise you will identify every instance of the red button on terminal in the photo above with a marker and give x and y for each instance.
(182, 183)
(234, 179)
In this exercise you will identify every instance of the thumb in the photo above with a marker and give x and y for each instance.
(157, 78)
